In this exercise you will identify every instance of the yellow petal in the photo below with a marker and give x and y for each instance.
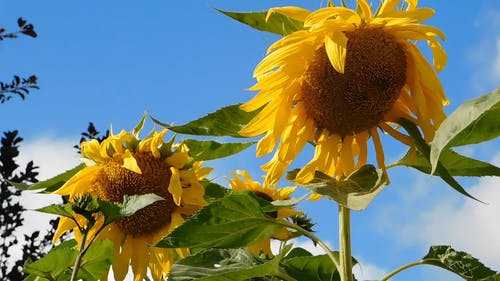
(336, 46)
(178, 160)
(175, 187)
(293, 12)
(130, 163)
(365, 9)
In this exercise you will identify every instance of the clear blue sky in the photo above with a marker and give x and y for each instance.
(109, 61)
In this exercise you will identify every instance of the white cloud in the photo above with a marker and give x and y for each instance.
(465, 224)
(485, 54)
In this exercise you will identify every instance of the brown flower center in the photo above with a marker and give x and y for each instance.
(114, 182)
(374, 74)
(268, 199)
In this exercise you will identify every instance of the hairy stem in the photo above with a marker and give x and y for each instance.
(345, 268)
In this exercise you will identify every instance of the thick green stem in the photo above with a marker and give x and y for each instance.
(345, 268)
(78, 260)
(314, 238)
(404, 267)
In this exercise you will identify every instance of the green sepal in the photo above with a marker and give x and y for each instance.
(460, 263)
(457, 164)
(425, 149)
(51, 184)
(227, 121)
(209, 150)
(277, 23)
(234, 221)
(473, 122)
(354, 192)
(64, 210)
(137, 129)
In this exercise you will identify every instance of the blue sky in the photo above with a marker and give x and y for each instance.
(109, 61)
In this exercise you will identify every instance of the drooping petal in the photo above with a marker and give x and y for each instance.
(336, 49)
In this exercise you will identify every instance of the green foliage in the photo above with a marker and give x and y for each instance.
(56, 265)
(64, 210)
(223, 264)
(208, 150)
(456, 164)
(277, 23)
(425, 150)
(214, 191)
(227, 121)
(473, 122)
(311, 268)
(234, 221)
(97, 260)
(354, 192)
(459, 263)
(51, 184)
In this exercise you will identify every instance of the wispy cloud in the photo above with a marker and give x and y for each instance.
(485, 53)
(465, 224)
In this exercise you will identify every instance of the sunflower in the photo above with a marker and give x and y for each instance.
(269, 193)
(123, 165)
(337, 81)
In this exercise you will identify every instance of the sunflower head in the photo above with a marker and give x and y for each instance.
(123, 164)
(268, 193)
(346, 74)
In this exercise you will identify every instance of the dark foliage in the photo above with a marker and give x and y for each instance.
(90, 134)
(19, 86)
(10, 209)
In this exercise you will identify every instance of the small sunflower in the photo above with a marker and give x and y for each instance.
(123, 165)
(269, 193)
(338, 80)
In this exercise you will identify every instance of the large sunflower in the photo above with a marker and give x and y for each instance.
(124, 165)
(269, 193)
(338, 80)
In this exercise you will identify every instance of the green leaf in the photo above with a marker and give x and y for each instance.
(51, 184)
(277, 23)
(457, 164)
(110, 210)
(227, 121)
(61, 210)
(97, 260)
(425, 149)
(473, 122)
(208, 150)
(214, 191)
(236, 220)
(222, 265)
(355, 192)
(311, 268)
(56, 265)
(459, 263)
(133, 203)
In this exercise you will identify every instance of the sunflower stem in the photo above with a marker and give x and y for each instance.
(78, 260)
(402, 268)
(345, 268)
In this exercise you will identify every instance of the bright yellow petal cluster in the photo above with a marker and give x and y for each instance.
(283, 120)
(126, 150)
